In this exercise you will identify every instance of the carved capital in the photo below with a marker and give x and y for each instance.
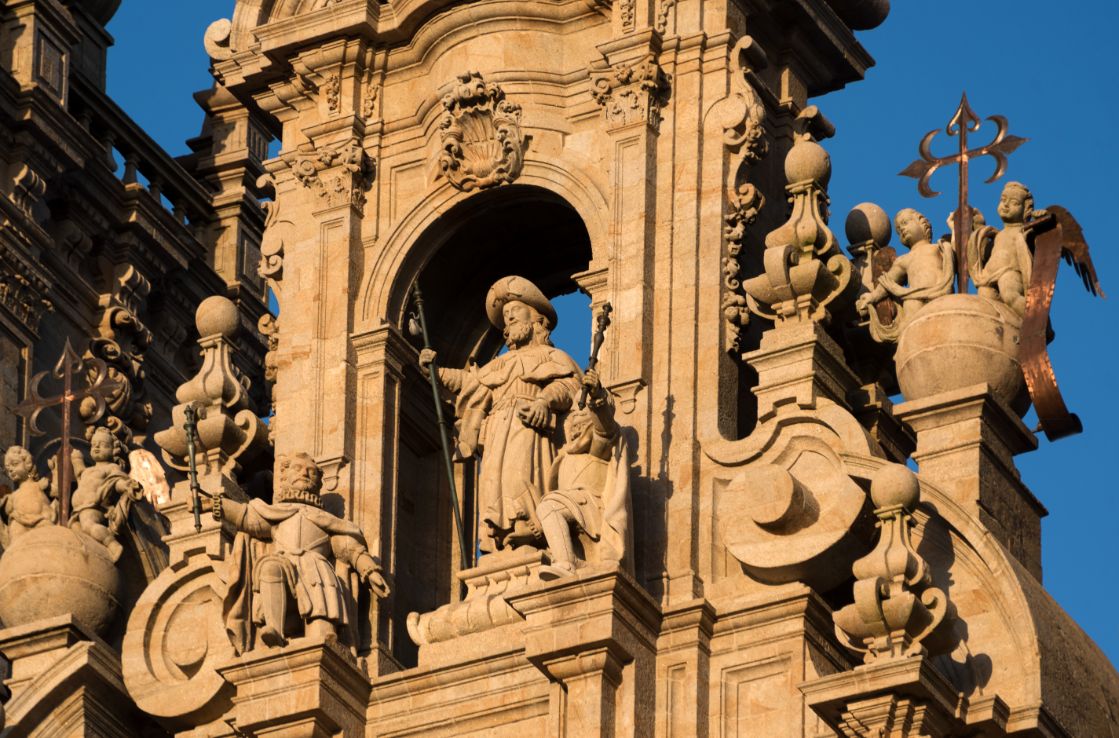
(23, 291)
(481, 142)
(631, 93)
(339, 175)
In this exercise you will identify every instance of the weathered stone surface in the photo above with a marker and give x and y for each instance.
(671, 558)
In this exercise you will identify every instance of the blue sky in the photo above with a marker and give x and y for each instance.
(1047, 71)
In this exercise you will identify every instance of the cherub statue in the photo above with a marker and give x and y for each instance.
(1000, 262)
(27, 506)
(105, 493)
(928, 270)
(588, 486)
(289, 552)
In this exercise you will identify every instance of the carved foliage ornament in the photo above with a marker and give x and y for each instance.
(340, 175)
(742, 211)
(22, 292)
(481, 143)
(631, 94)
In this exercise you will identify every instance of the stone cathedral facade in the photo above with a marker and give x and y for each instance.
(393, 508)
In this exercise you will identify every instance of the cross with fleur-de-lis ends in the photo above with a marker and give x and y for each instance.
(964, 121)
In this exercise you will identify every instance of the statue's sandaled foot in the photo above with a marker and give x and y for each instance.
(271, 637)
(559, 570)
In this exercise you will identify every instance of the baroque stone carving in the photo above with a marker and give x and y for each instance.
(664, 8)
(1000, 262)
(229, 432)
(22, 291)
(742, 211)
(332, 91)
(928, 270)
(297, 565)
(588, 488)
(27, 506)
(105, 493)
(481, 143)
(631, 93)
(896, 609)
(508, 410)
(120, 343)
(340, 175)
(804, 269)
(627, 13)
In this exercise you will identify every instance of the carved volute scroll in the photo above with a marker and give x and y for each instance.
(120, 342)
(741, 115)
(631, 93)
(804, 269)
(896, 609)
(481, 143)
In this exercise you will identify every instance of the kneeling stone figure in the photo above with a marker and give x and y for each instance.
(588, 488)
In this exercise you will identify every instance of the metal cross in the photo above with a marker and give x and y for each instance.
(964, 120)
(99, 386)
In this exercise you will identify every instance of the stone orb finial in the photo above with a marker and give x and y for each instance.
(808, 161)
(217, 315)
(868, 222)
(894, 485)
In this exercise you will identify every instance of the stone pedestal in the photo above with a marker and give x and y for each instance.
(900, 698)
(308, 689)
(966, 443)
(594, 636)
(65, 681)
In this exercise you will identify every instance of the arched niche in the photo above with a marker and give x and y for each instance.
(519, 229)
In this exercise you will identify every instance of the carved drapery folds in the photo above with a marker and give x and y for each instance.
(340, 175)
(481, 142)
(120, 342)
(631, 93)
(229, 432)
(804, 269)
(896, 611)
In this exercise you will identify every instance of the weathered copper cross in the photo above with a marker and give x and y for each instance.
(964, 120)
(99, 386)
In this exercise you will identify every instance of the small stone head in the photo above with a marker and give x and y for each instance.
(300, 479)
(103, 445)
(1016, 203)
(19, 465)
(912, 227)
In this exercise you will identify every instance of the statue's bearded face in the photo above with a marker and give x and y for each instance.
(519, 319)
(300, 480)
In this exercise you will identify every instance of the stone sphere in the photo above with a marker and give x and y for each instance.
(893, 485)
(868, 222)
(958, 341)
(217, 315)
(808, 161)
(51, 571)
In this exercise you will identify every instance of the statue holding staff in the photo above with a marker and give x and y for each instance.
(509, 411)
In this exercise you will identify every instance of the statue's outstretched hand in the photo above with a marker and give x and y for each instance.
(427, 356)
(862, 305)
(375, 577)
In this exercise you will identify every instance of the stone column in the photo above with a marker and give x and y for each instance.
(966, 443)
(594, 636)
